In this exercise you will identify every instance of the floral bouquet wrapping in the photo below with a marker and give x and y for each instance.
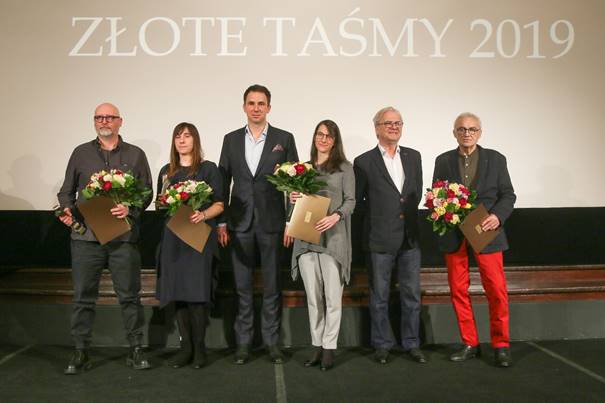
(448, 204)
(193, 193)
(122, 187)
(296, 177)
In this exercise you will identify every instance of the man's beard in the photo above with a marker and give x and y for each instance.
(104, 132)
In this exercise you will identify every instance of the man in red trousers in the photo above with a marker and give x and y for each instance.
(485, 171)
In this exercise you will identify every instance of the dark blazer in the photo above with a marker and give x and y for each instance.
(251, 190)
(389, 216)
(494, 190)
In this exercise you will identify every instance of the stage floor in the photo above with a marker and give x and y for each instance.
(546, 371)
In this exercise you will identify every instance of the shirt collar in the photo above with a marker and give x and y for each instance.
(383, 150)
(263, 135)
(97, 142)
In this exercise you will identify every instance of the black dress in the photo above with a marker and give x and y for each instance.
(185, 274)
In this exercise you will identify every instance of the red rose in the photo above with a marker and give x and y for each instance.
(429, 203)
(184, 196)
(438, 184)
(448, 216)
(462, 202)
(107, 186)
(464, 190)
(451, 194)
(300, 168)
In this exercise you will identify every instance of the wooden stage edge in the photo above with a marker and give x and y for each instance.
(525, 284)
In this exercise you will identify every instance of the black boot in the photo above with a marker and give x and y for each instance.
(327, 359)
(184, 355)
(78, 363)
(315, 358)
(199, 319)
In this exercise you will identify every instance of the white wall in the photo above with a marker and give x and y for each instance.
(545, 114)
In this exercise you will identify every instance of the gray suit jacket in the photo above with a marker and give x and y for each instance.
(390, 216)
(251, 191)
(494, 190)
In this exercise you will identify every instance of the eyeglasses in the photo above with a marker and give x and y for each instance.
(470, 130)
(107, 118)
(324, 136)
(388, 123)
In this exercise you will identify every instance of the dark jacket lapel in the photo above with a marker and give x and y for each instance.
(453, 166)
(379, 162)
(481, 168)
(407, 169)
(240, 146)
(270, 142)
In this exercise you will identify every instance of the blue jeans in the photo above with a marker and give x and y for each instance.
(407, 263)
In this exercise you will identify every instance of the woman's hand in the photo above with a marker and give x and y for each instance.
(294, 196)
(327, 222)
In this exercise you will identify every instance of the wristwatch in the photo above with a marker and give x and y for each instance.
(339, 214)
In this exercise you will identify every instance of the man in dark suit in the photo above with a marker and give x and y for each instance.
(255, 216)
(389, 186)
(485, 171)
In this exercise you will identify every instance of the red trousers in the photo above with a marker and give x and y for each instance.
(491, 269)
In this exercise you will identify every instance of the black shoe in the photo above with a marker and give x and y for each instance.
(242, 354)
(503, 358)
(275, 354)
(78, 363)
(315, 357)
(417, 355)
(183, 356)
(466, 353)
(327, 359)
(199, 357)
(381, 356)
(137, 359)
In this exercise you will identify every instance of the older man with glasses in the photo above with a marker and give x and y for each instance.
(388, 181)
(485, 171)
(121, 256)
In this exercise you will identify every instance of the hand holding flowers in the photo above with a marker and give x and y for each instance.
(193, 193)
(448, 204)
(122, 187)
(296, 177)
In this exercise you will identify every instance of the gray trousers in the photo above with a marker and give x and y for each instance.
(407, 262)
(243, 253)
(321, 276)
(88, 259)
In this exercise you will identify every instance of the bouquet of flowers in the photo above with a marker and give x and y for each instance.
(190, 192)
(296, 177)
(122, 187)
(448, 204)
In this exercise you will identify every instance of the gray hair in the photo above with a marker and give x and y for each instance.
(381, 112)
(468, 115)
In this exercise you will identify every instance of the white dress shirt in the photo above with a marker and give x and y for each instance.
(394, 166)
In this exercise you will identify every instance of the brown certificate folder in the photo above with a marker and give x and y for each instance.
(307, 211)
(194, 235)
(471, 228)
(99, 219)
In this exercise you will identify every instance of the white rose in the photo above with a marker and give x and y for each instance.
(120, 179)
(170, 200)
(291, 171)
(107, 178)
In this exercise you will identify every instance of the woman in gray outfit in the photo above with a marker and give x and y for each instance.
(326, 267)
